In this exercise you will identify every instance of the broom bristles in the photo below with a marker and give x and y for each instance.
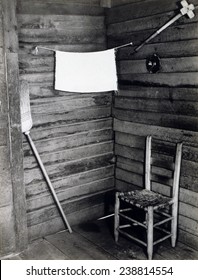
(26, 118)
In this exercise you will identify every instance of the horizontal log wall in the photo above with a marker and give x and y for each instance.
(72, 131)
(163, 104)
(115, 3)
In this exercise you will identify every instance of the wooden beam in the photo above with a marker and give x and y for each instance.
(16, 152)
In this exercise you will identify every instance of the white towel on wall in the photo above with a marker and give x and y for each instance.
(86, 72)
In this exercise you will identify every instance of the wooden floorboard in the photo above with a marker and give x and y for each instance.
(100, 233)
(78, 247)
(180, 252)
(94, 241)
(13, 258)
(42, 250)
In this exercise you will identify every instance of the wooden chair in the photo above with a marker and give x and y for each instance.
(159, 209)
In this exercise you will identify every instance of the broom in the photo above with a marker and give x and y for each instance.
(26, 124)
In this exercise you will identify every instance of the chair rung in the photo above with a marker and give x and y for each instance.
(132, 237)
(125, 210)
(163, 230)
(163, 213)
(162, 239)
(162, 206)
(163, 221)
(132, 220)
(125, 226)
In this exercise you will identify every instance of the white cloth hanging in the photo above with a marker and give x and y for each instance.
(86, 72)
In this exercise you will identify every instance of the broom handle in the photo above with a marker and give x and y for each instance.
(159, 31)
(48, 180)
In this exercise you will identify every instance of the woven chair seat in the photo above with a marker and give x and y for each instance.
(144, 198)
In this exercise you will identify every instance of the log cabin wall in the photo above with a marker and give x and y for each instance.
(72, 132)
(163, 104)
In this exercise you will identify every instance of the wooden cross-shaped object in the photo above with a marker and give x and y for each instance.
(187, 9)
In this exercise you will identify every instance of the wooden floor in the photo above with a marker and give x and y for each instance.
(94, 241)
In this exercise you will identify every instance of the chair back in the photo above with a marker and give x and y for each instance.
(162, 166)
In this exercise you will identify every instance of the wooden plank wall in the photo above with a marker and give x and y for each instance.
(115, 3)
(72, 132)
(163, 104)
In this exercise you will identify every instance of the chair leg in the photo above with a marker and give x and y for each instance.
(174, 224)
(116, 217)
(150, 232)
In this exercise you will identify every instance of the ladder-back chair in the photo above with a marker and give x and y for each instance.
(159, 209)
